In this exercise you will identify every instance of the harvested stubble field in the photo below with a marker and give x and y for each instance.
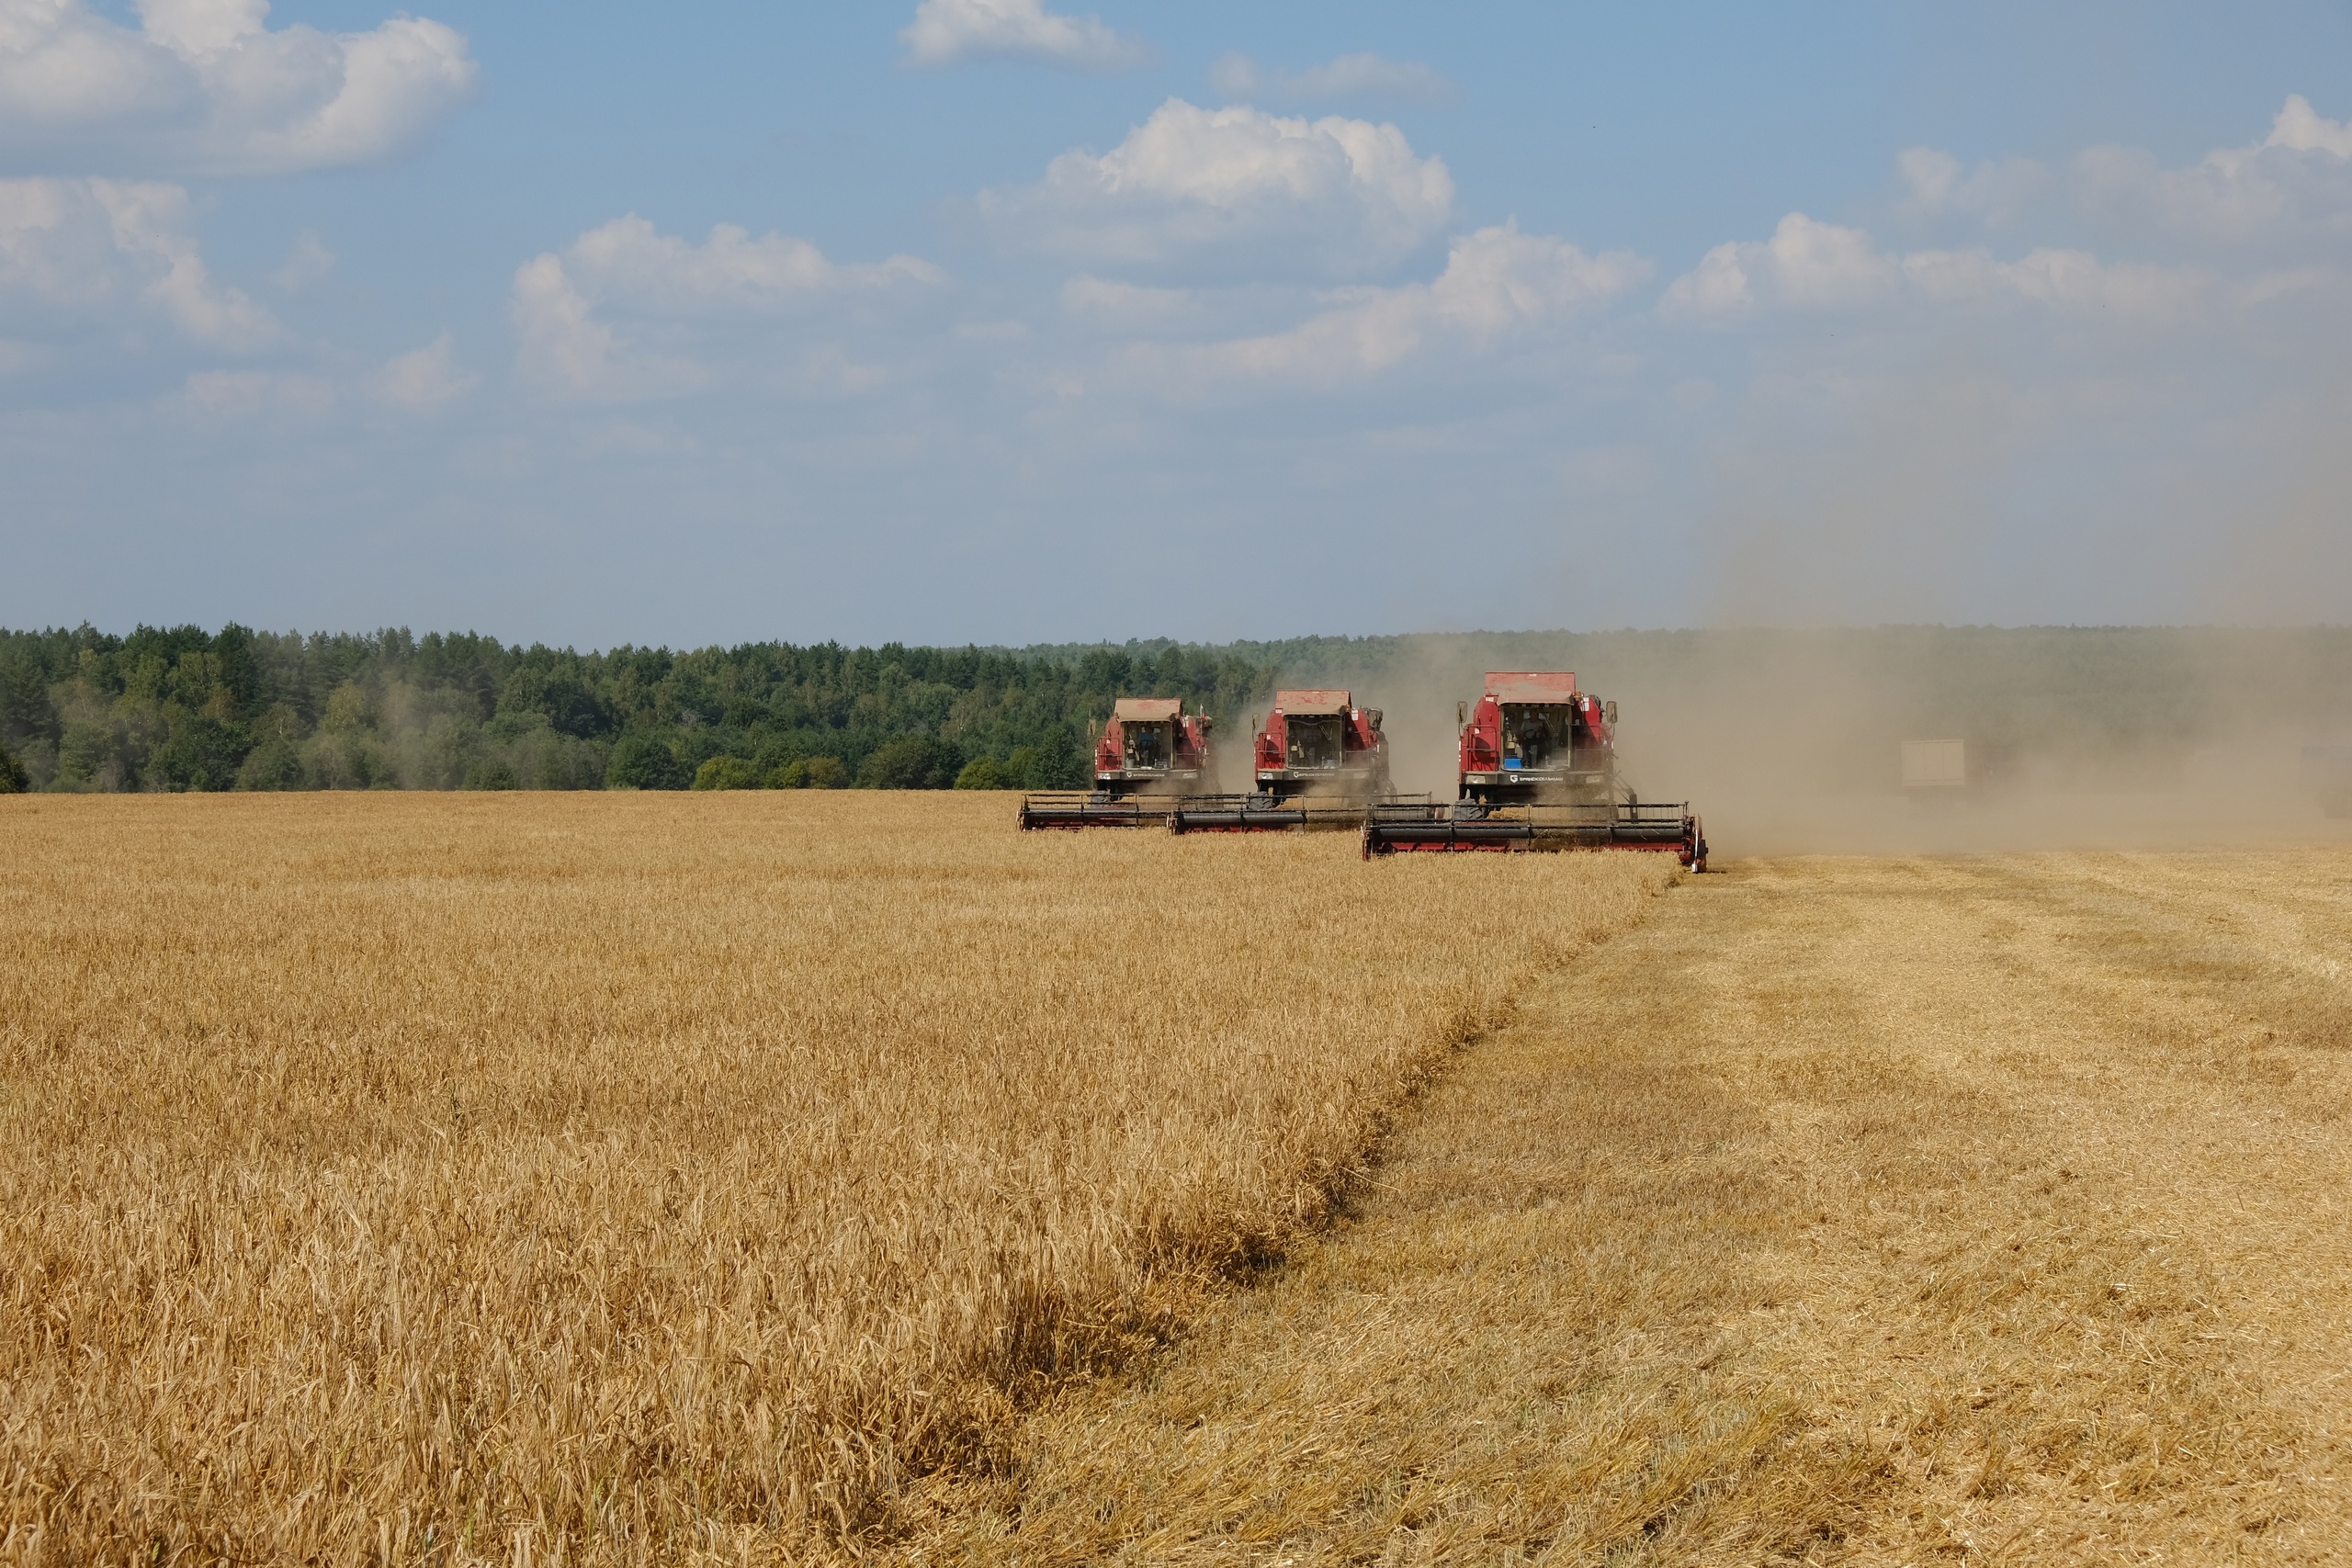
(409, 1178)
(1895, 1211)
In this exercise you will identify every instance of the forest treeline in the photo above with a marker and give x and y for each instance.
(180, 708)
(186, 709)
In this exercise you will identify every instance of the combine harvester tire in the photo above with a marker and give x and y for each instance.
(1464, 826)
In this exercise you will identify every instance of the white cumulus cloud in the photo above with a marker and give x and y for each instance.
(2299, 128)
(1233, 189)
(1996, 192)
(1129, 306)
(567, 350)
(1362, 76)
(2062, 279)
(116, 252)
(659, 286)
(206, 87)
(945, 32)
(2296, 184)
(1498, 286)
(1811, 266)
(423, 380)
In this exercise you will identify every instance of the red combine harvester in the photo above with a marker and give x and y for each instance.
(1319, 742)
(1538, 772)
(1150, 752)
(1152, 746)
(1320, 761)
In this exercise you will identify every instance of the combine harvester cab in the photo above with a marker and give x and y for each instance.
(1319, 742)
(1538, 770)
(1534, 737)
(1150, 753)
(1320, 761)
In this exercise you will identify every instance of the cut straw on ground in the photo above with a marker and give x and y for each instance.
(1861, 1211)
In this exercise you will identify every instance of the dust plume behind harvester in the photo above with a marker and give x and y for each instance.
(1537, 770)
(1147, 756)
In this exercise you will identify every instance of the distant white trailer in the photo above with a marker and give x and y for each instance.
(1935, 767)
(2328, 770)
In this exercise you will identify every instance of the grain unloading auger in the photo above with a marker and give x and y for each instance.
(1538, 770)
(1150, 753)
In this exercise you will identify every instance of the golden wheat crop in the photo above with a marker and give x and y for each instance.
(635, 1177)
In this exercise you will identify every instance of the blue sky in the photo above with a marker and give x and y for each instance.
(992, 320)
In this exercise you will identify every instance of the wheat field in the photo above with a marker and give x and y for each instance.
(1873, 1212)
(660, 1178)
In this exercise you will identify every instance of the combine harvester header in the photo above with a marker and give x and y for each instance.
(1537, 771)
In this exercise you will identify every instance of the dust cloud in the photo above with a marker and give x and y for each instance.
(1788, 741)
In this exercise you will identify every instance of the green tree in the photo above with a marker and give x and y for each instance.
(13, 779)
(93, 754)
(728, 772)
(350, 711)
(643, 760)
(1028, 768)
(25, 710)
(980, 772)
(275, 763)
(910, 762)
(495, 771)
(199, 753)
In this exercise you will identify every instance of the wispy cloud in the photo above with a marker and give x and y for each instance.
(948, 33)
(230, 396)
(1361, 77)
(1499, 287)
(664, 280)
(308, 263)
(423, 380)
(1996, 192)
(1809, 265)
(116, 252)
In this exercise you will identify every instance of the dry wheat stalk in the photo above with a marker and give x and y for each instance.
(633, 1178)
